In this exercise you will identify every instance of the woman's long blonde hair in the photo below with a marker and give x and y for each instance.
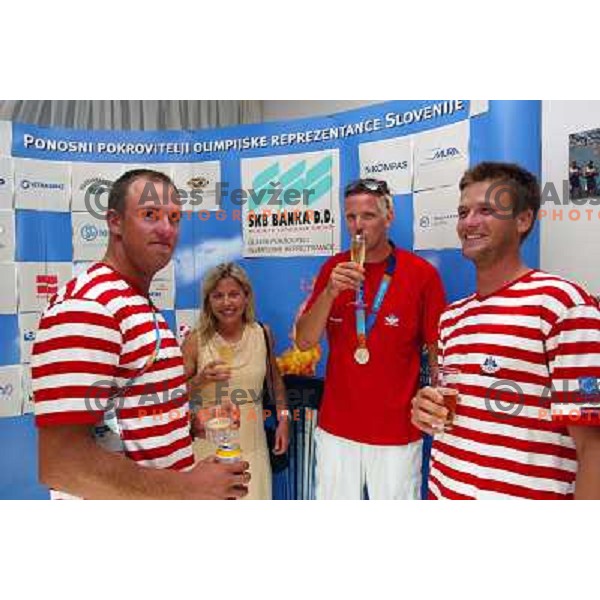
(207, 323)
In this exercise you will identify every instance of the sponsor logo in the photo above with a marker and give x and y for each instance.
(588, 386)
(198, 183)
(6, 390)
(46, 285)
(430, 221)
(96, 185)
(90, 232)
(386, 166)
(299, 176)
(490, 366)
(392, 320)
(27, 184)
(29, 335)
(444, 153)
(96, 190)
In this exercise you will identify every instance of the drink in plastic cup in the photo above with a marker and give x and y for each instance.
(219, 426)
(447, 386)
(229, 453)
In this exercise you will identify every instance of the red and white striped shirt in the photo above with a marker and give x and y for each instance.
(528, 345)
(97, 331)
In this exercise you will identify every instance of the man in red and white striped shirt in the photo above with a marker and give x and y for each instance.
(103, 350)
(525, 344)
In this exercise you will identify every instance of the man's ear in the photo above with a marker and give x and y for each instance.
(524, 221)
(114, 220)
(390, 217)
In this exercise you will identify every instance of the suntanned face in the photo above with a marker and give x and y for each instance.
(363, 213)
(488, 231)
(146, 232)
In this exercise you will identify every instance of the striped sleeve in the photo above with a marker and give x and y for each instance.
(573, 347)
(74, 362)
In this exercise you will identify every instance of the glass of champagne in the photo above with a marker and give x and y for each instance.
(226, 355)
(358, 250)
(447, 386)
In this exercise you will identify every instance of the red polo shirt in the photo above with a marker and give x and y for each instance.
(371, 403)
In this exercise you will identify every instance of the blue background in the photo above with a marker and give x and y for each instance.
(509, 131)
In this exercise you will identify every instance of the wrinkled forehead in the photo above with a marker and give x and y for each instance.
(363, 202)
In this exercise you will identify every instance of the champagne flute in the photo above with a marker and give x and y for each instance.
(358, 248)
(358, 251)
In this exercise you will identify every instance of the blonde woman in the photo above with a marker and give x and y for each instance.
(226, 361)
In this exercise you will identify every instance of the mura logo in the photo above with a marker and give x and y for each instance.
(588, 386)
(490, 366)
(29, 335)
(424, 222)
(2, 181)
(392, 321)
(443, 153)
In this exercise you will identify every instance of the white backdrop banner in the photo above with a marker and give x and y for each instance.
(441, 156)
(42, 185)
(435, 219)
(38, 282)
(391, 160)
(7, 235)
(6, 182)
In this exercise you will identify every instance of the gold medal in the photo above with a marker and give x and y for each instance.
(361, 356)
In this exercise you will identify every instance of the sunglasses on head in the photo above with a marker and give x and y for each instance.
(367, 185)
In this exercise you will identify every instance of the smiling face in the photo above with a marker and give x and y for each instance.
(228, 302)
(489, 234)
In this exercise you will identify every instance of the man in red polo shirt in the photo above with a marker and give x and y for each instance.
(377, 317)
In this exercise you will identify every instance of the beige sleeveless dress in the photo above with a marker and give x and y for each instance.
(248, 372)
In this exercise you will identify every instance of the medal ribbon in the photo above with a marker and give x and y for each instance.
(364, 326)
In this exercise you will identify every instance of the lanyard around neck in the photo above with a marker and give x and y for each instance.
(365, 325)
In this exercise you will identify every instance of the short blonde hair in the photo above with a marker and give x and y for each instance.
(207, 323)
(376, 187)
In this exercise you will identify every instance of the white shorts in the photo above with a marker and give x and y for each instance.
(345, 469)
